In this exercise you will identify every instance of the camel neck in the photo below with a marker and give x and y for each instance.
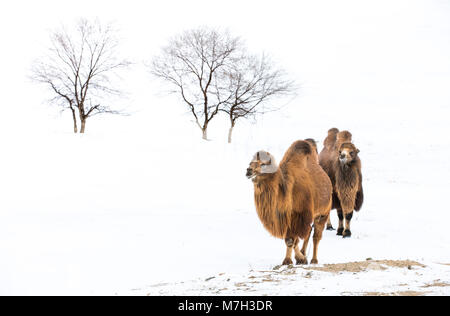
(269, 179)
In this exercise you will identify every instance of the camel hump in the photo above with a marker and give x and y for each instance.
(312, 143)
(297, 153)
(333, 131)
(330, 140)
(302, 147)
(344, 137)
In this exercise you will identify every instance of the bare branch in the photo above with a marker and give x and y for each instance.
(252, 83)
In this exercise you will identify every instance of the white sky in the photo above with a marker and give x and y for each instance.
(344, 53)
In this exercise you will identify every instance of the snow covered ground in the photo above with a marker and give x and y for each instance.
(142, 206)
(369, 279)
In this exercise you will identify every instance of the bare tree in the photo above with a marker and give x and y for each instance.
(191, 63)
(213, 72)
(80, 68)
(249, 85)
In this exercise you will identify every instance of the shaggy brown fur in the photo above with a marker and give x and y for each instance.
(330, 140)
(343, 137)
(313, 144)
(291, 196)
(326, 158)
(341, 162)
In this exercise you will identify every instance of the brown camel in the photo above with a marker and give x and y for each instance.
(339, 158)
(291, 196)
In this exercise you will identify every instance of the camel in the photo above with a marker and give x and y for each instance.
(339, 159)
(292, 196)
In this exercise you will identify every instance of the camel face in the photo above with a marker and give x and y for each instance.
(347, 153)
(262, 163)
(253, 170)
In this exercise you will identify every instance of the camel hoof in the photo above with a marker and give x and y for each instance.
(314, 261)
(301, 261)
(339, 231)
(330, 228)
(347, 234)
(287, 262)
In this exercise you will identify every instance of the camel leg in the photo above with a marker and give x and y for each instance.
(306, 241)
(348, 219)
(329, 225)
(340, 229)
(319, 226)
(300, 255)
(289, 246)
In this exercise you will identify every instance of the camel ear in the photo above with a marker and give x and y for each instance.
(257, 156)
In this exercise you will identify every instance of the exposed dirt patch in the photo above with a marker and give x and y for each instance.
(159, 285)
(401, 293)
(437, 283)
(361, 266)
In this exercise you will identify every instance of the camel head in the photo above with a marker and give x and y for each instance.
(262, 164)
(348, 153)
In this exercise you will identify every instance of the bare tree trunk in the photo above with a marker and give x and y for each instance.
(205, 133)
(83, 126)
(75, 125)
(230, 132)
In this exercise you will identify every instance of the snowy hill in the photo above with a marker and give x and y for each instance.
(141, 205)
